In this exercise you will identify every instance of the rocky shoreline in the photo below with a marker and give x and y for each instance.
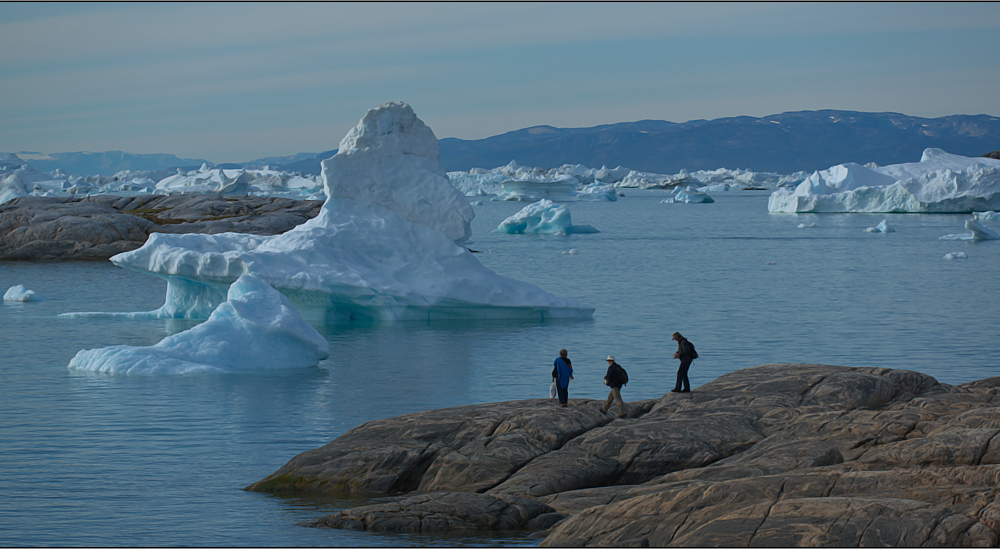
(775, 455)
(98, 227)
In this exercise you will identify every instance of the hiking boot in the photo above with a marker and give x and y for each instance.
(622, 415)
(675, 390)
(603, 411)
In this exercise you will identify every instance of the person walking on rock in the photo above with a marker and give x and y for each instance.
(562, 372)
(615, 379)
(686, 353)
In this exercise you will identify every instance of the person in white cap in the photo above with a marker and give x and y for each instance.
(615, 378)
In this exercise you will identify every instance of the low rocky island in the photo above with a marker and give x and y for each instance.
(774, 455)
(100, 226)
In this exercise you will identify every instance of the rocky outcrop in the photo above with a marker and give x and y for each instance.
(441, 512)
(994, 155)
(776, 455)
(97, 227)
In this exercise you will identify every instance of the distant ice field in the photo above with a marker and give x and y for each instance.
(115, 460)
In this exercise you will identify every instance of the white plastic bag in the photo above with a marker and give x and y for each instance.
(553, 392)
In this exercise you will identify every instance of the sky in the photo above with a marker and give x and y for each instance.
(233, 82)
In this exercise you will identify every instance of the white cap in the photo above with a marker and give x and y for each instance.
(611, 358)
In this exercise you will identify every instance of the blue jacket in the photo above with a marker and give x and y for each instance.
(565, 369)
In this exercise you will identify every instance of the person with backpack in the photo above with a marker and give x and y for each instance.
(686, 353)
(615, 378)
(562, 372)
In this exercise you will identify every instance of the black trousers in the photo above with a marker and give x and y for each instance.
(682, 376)
(563, 393)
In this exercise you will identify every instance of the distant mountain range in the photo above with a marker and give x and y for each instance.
(783, 143)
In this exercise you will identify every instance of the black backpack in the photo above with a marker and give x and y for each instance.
(694, 354)
(622, 374)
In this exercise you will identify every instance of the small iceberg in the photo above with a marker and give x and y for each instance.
(809, 226)
(20, 293)
(687, 196)
(255, 329)
(543, 217)
(882, 227)
(957, 255)
(979, 232)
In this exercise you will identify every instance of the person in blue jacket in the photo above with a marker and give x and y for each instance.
(562, 372)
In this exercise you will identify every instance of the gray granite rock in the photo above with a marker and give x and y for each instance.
(97, 227)
(469, 448)
(442, 512)
(776, 455)
(31, 228)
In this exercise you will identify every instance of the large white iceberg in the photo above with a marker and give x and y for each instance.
(256, 328)
(940, 182)
(385, 246)
(543, 217)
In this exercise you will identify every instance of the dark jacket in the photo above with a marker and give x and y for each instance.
(612, 377)
(562, 370)
(685, 351)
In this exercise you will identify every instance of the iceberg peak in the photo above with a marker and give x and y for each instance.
(392, 125)
(390, 159)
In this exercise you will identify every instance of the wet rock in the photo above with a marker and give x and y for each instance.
(468, 448)
(31, 228)
(440, 512)
(97, 227)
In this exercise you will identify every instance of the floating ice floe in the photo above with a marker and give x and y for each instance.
(687, 196)
(940, 182)
(18, 178)
(882, 227)
(521, 183)
(645, 180)
(20, 293)
(979, 232)
(561, 187)
(255, 329)
(263, 181)
(956, 255)
(986, 216)
(543, 217)
(387, 244)
(809, 226)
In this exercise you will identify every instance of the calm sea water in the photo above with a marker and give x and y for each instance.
(91, 459)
